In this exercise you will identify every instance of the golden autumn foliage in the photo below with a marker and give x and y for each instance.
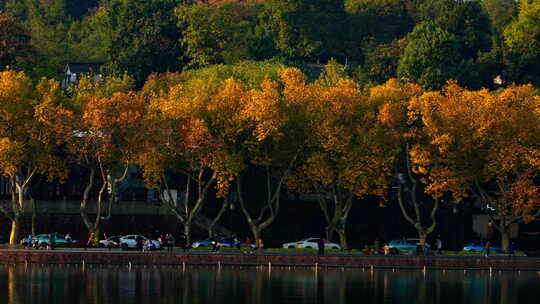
(481, 143)
(28, 145)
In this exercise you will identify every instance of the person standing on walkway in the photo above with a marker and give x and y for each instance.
(386, 249)
(248, 245)
(52, 240)
(90, 240)
(487, 248)
(236, 243)
(214, 244)
(320, 245)
(511, 249)
(186, 244)
(260, 245)
(438, 244)
(170, 242)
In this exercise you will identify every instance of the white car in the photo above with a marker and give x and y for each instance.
(130, 242)
(110, 242)
(311, 243)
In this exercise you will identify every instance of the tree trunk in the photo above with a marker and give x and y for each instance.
(505, 239)
(187, 232)
(342, 238)
(256, 230)
(422, 235)
(329, 232)
(15, 228)
(214, 222)
(93, 227)
(336, 211)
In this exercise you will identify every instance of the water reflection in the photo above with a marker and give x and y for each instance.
(102, 285)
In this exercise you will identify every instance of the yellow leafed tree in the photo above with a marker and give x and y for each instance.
(27, 143)
(482, 144)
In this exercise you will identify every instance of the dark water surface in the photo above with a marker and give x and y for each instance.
(119, 285)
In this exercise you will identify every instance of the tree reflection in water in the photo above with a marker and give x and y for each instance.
(154, 285)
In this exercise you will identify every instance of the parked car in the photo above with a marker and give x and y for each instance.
(110, 242)
(479, 246)
(229, 242)
(130, 242)
(43, 240)
(311, 243)
(409, 244)
(203, 243)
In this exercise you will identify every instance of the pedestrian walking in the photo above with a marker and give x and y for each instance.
(438, 244)
(386, 249)
(28, 241)
(487, 248)
(170, 243)
(511, 249)
(90, 240)
(320, 246)
(248, 245)
(215, 244)
(185, 243)
(52, 240)
(140, 243)
(236, 243)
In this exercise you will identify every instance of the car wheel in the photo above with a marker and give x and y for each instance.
(291, 247)
(100, 245)
(335, 247)
(308, 247)
(124, 246)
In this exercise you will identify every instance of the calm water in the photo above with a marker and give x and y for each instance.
(103, 285)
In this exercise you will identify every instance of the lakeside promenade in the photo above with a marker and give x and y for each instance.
(268, 259)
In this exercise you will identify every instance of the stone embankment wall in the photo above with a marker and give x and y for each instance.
(274, 260)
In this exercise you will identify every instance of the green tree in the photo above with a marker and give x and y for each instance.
(15, 49)
(430, 57)
(308, 30)
(134, 36)
(16, 8)
(89, 38)
(49, 25)
(223, 33)
(466, 20)
(381, 20)
(501, 13)
(145, 38)
(381, 62)
(522, 39)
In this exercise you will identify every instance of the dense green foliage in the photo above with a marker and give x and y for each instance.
(474, 41)
(15, 49)
(431, 57)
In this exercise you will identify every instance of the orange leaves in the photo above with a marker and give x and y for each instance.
(11, 156)
(113, 125)
(28, 139)
(354, 137)
(263, 110)
(521, 199)
(471, 136)
(16, 99)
